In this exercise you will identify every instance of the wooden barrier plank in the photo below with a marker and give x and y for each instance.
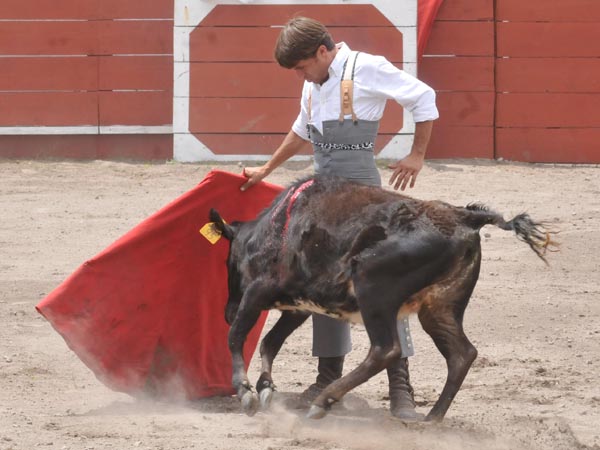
(461, 39)
(242, 115)
(157, 147)
(48, 9)
(144, 108)
(135, 146)
(261, 115)
(243, 143)
(48, 109)
(466, 10)
(105, 37)
(548, 10)
(221, 44)
(48, 38)
(49, 74)
(561, 145)
(267, 15)
(554, 40)
(458, 73)
(461, 142)
(135, 37)
(136, 72)
(466, 108)
(243, 80)
(85, 9)
(135, 9)
(548, 110)
(547, 75)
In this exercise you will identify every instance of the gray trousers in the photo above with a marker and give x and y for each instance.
(331, 337)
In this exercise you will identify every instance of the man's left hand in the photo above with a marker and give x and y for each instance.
(406, 171)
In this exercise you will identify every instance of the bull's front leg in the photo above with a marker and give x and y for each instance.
(251, 305)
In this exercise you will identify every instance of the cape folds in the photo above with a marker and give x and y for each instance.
(147, 313)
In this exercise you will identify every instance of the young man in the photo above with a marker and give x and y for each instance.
(343, 99)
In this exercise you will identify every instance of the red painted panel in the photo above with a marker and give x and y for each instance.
(458, 73)
(548, 10)
(562, 145)
(461, 142)
(48, 109)
(105, 37)
(548, 110)
(135, 146)
(548, 75)
(267, 15)
(242, 115)
(136, 108)
(243, 80)
(85, 9)
(392, 119)
(466, 108)
(461, 39)
(466, 10)
(244, 144)
(136, 72)
(114, 147)
(48, 38)
(261, 115)
(551, 39)
(135, 37)
(216, 44)
(135, 9)
(49, 74)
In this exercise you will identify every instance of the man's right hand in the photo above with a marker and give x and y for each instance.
(254, 175)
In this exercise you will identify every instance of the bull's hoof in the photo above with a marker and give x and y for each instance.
(433, 418)
(265, 397)
(249, 403)
(316, 412)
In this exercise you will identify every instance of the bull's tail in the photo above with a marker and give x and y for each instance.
(536, 234)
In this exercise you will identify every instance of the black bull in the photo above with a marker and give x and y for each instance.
(361, 254)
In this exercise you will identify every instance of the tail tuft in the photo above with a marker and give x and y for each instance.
(536, 234)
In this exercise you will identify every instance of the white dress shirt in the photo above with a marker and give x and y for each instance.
(376, 80)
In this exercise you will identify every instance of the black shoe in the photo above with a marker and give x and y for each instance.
(402, 401)
(330, 369)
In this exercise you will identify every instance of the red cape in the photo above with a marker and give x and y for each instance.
(147, 313)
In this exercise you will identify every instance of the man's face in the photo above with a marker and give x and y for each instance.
(316, 68)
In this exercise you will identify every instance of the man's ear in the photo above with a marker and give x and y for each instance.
(226, 230)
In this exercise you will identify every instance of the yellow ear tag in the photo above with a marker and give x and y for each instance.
(210, 232)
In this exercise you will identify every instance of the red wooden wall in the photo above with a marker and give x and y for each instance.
(86, 64)
(516, 79)
(548, 80)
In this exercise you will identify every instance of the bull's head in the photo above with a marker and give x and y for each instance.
(233, 274)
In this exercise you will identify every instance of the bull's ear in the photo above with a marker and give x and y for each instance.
(226, 230)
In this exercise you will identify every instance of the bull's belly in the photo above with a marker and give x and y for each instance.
(312, 307)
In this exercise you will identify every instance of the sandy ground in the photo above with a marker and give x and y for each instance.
(535, 384)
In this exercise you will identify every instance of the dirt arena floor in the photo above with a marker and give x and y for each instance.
(535, 384)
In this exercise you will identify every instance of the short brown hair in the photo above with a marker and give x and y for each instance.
(300, 39)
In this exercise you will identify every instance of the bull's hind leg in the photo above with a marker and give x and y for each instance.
(442, 318)
(269, 348)
(385, 347)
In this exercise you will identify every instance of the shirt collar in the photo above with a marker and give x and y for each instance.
(337, 65)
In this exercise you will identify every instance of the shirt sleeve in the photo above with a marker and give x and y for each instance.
(299, 126)
(410, 92)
